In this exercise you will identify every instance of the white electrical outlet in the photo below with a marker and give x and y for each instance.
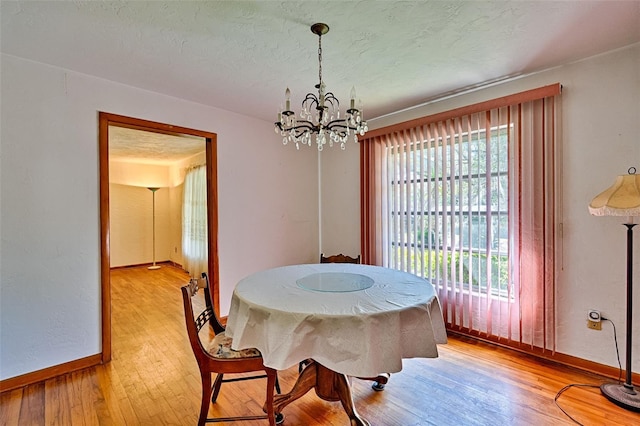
(594, 320)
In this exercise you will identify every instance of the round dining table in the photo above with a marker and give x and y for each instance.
(342, 320)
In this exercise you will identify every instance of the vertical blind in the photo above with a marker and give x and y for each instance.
(467, 199)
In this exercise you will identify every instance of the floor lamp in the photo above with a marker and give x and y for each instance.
(153, 191)
(623, 199)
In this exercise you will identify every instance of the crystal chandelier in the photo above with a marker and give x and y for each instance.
(320, 115)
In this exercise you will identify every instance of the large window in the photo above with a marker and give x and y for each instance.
(466, 199)
(450, 208)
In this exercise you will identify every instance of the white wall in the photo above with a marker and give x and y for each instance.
(131, 209)
(49, 227)
(131, 225)
(340, 200)
(139, 174)
(601, 139)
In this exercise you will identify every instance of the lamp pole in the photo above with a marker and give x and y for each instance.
(154, 266)
(626, 395)
(628, 384)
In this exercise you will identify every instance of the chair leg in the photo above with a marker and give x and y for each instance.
(271, 384)
(216, 387)
(279, 417)
(278, 391)
(206, 393)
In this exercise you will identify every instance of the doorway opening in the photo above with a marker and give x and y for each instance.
(110, 124)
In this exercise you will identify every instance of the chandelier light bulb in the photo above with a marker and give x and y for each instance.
(287, 96)
(353, 97)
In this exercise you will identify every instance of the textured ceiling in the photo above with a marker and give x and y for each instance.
(153, 148)
(241, 55)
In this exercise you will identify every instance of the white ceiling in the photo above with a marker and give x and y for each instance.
(133, 145)
(241, 55)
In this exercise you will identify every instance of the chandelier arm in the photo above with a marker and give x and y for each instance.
(300, 128)
(331, 95)
(312, 99)
(339, 124)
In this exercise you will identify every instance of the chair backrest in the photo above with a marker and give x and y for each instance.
(339, 258)
(215, 322)
(194, 324)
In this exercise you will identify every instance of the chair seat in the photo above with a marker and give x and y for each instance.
(220, 347)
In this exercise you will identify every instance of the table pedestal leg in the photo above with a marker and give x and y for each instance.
(306, 381)
(343, 389)
(329, 385)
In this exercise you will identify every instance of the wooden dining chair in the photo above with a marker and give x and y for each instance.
(339, 258)
(217, 357)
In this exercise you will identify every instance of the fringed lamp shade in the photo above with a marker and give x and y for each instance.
(621, 199)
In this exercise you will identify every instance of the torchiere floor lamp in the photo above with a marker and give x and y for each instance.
(154, 266)
(623, 199)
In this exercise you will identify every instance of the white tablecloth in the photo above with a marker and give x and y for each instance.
(359, 333)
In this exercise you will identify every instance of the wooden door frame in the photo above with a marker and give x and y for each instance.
(107, 119)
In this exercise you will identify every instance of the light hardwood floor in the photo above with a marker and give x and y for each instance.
(153, 379)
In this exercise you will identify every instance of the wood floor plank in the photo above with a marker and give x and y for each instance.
(10, 403)
(153, 379)
(32, 407)
(57, 405)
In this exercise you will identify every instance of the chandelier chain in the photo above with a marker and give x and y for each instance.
(320, 61)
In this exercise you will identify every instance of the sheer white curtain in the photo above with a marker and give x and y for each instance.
(467, 199)
(194, 222)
